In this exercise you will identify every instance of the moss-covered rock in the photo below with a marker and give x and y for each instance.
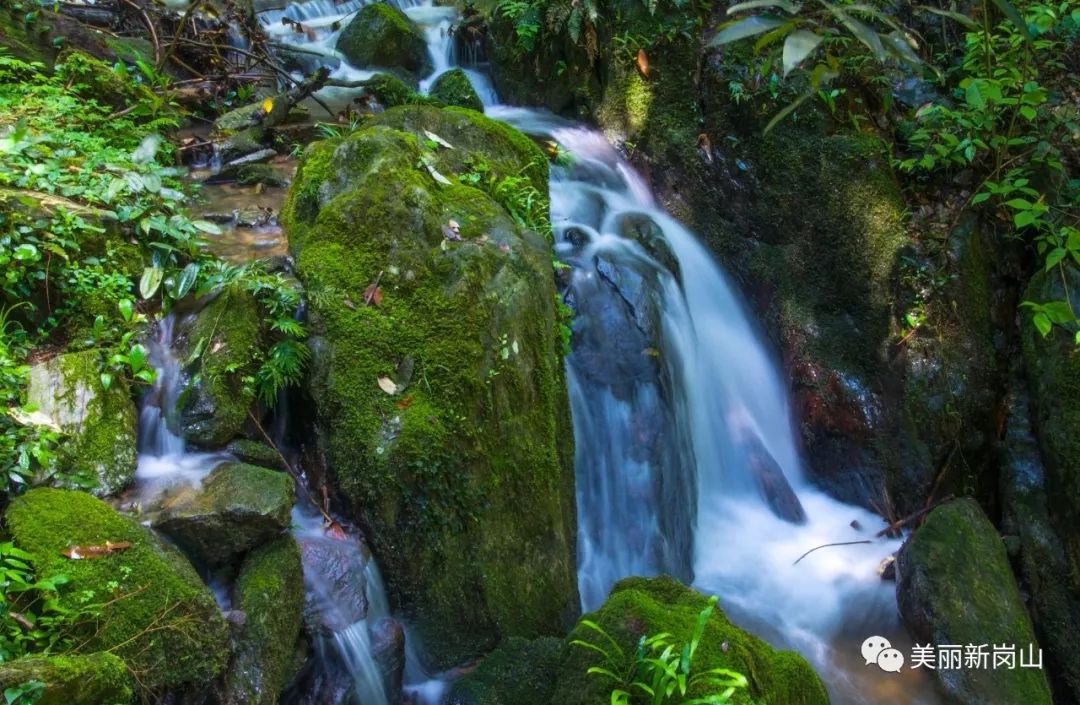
(1053, 366)
(159, 618)
(640, 606)
(95, 679)
(381, 35)
(255, 453)
(270, 592)
(955, 586)
(227, 331)
(454, 88)
(442, 407)
(518, 672)
(100, 422)
(238, 508)
(391, 91)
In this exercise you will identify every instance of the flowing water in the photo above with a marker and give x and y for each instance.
(687, 455)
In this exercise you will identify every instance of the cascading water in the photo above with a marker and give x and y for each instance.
(687, 458)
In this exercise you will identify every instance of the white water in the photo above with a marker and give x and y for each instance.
(719, 403)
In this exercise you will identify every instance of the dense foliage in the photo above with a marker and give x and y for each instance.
(95, 241)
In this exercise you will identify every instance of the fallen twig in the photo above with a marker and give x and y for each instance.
(826, 545)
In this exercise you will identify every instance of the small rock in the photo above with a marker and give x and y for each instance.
(887, 568)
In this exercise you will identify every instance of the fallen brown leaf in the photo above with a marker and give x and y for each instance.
(79, 552)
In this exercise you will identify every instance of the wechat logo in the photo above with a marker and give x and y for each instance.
(878, 650)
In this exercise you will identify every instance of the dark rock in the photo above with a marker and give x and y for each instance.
(774, 486)
(238, 508)
(955, 586)
(388, 651)
(337, 586)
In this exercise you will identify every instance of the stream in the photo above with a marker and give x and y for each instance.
(687, 455)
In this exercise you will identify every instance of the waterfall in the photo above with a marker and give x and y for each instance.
(687, 455)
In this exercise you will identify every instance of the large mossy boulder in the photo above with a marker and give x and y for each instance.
(157, 616)
(648, 606)
(100, 421)
(383, 36)
(94, 679)
(1053, 367)
(455, 88)
(440, 398)
(219, 341)
(518, 672)
(955, 586)
(239, 507)
(270, 593)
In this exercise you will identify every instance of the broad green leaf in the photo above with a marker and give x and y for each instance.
(1011, 12)
(862, 32)
(186, 280)
(1054, 256)
(956, 16)
(207, 227)
(150, 281)
(747, 27)
(1043, 324)
(789, 7)
(1020, 204)
(899, 45)
(127, 308)
(799, 45)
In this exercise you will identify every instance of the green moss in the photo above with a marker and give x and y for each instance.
(391, 90)
(640, 606)
(463, 478)
(518, 672)
(160, 618)
(215, 409)
(238, 508)
(255, 453)
(454, 88)
(270, 591)
(95, 679)
(93, 79)
(381, 35)
(100, 422)
(1053, 365)
(955, 586)
(26, 40)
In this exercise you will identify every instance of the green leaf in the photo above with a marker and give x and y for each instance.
(1054, 256)
(186, 280)
(207, 227)
(788, 7)
(127, 308)
(790, 108)
(956, 16)
(747, 27)
(1011, 12)
(106, 380)
(799, 45)
(25, 253)
(150, 281)
(1042, 323)
(862, 32)
(899, 45)
(1020, 204)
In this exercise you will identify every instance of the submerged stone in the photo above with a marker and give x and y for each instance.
(442, 407)
(238, 508)
(381, 35)
(100, 421)
(163, 622)
(955, 586)
(94, 679)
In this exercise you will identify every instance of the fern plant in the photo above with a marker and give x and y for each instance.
(661, 669)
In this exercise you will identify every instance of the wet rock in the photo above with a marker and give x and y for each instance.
(254, 453)
(518, 672)
(955, 586)
(238, 508)
(334, 570)
(454, 88)
(388, 651)
(70, 680)
(774, 486)
(167, 627)
(270, 591)
(252, 174)
(640, 606)
(214, 410)
(381, 35)
(100, 422)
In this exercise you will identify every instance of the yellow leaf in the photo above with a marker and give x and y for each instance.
(268, 105)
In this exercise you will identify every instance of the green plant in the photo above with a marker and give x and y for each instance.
(661, 669)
